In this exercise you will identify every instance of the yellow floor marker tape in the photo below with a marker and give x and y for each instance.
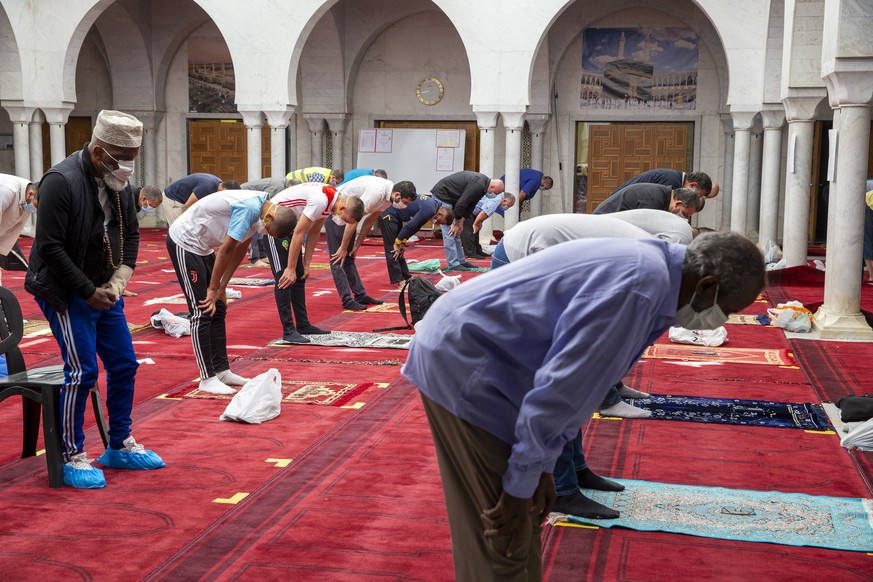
(231, 500)
(280, 462)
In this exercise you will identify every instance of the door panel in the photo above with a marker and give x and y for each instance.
(620, 151)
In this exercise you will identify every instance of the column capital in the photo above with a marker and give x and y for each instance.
(512, 120)
(486, 119)
(537, 122)
(279, 118)
(58, 114)
(801, 106)
(150, 119)
(743, 120)
(315, 121)
(847, 88)
(18, 112)
(773, 118)
(252, 118)
(336, 122)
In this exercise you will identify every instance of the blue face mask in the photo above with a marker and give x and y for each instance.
(29, 207)
(146, 210)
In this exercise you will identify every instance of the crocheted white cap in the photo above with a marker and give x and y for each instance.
(118, 129)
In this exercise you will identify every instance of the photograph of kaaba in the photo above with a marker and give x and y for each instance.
(626, 68)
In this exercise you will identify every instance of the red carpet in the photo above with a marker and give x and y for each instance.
(353, 493)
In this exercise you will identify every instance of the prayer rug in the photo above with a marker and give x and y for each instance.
(806, 416)
(40, 327)
(426, 265)
(251, 281)
(384, 308)
(356, 339)
(719, 354)
(295, 392)
(740, 319)
(319, 266)
(792, 519)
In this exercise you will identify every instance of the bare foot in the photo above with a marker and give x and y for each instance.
(127, 293)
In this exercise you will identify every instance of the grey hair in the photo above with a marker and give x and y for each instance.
(730, 256)
(152, 193)
(509, 197)
(688, 197)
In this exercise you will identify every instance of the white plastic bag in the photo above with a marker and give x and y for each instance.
(172, 325)
(792, 316)
(698, 337)
(860, 437)
(258, 401)
(771, 252)
(447, 283)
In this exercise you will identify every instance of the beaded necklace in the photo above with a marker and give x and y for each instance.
(108, 246)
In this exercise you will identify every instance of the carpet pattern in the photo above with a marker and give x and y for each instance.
(356, 339)
(780, 518)
(805, 416)
(719, 354)
(295, 392)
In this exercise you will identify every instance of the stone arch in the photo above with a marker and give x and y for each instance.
(10, 77)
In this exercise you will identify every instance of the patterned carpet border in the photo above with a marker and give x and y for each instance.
(356, 339)
(793, 519)
(722, 355)
(804, 416)
(293, 392)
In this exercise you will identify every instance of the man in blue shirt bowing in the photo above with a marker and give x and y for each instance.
(504, 389)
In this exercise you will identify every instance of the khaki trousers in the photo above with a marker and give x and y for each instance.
(172, 209)
(472, 463)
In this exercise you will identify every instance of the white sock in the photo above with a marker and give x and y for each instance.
(213, 385)
(625, 410)
(628, 392)
(231, 379)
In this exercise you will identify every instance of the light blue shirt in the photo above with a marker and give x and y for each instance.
(244, 215)
(487, 205)
(532, 376)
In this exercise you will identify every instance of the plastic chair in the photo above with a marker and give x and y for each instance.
(40, 389)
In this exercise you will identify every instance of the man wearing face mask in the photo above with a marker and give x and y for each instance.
(17, 204)
(682, 201)
(83, 255)
(501, 415)
(377, 194)
(485, 208)
(148, 199)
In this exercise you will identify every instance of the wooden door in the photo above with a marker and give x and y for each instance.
(77, 132)
(220, 147)
(620, 151)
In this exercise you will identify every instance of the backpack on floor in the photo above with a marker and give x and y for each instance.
(419, 294)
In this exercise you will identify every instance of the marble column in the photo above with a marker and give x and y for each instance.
(753, 199)
(800, 112)
(773, 121)
(537, 125)
(740, 184)
(316, 136)
(151, 120)
(21, 118)
(487, 122)
(337, 124)
(36, 161)
(291, 153)
(727, 173)
(840, 316)
(278, 122)
(57, 119)
(254, 123)
(513, 124)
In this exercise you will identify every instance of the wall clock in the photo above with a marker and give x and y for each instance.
(429, 91)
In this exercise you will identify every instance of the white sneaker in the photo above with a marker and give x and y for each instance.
(80, 461)
(213, 385)
(231, 379)
(131, 446)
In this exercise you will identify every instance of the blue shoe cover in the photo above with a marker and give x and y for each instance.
(141, 461)
(90, 478)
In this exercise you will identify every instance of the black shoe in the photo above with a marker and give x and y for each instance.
(460, 267)
(311, 330)
(581, 506)
(589, 480)
(469, 265)
(477, 256)
(367, 300)
(353, 305)
(293, 337)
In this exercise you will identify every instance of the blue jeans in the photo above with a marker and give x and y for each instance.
(498, 257)
(83, 334)
(570, 461)
(452, 247)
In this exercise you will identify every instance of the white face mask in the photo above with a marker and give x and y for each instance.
(710, 318)
(337, 219)
(146, 210)
(124, 170)
(400, 205)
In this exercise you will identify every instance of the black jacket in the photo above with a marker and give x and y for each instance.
(69, 254)
(462, 190)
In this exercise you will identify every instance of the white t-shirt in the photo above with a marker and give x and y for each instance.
(659, 223)
(309, 198)
(374, 192)
(12, 216)
(234, 213)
